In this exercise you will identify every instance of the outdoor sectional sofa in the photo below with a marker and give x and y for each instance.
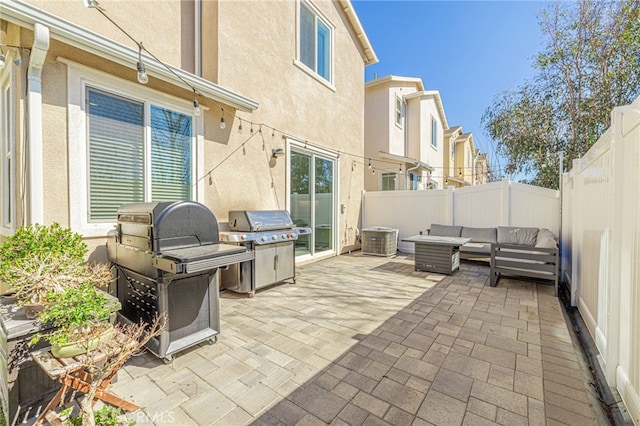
(512, 250)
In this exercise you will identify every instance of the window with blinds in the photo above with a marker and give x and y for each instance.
(315, 42)
(135, 158)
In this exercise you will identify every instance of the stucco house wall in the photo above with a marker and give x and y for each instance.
(235, 168)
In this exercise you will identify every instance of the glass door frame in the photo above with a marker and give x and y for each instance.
(325, 154)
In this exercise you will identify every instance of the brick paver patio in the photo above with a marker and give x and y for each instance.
(364, 340)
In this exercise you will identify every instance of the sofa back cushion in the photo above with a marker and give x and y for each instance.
(517, 235)
(480, 235)
(546, 239)
(445, 230)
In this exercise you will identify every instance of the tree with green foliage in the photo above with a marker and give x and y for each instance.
(589, 64)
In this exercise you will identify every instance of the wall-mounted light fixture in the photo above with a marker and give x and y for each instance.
(277, 152)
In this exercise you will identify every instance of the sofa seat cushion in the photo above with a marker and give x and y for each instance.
(517, 235)
(480, 235)
(484, 248)
(445, 230)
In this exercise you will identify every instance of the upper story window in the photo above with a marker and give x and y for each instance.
(468, 157)
(7, 159)
(398, 111)
(452, 142)
(315, 41)
(434, 132)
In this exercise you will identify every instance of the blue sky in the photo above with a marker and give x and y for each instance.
(468, 50)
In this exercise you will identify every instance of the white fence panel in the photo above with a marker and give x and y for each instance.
(601, 229)
(408, 211)
(627, 270)
(592, 227)
(532, 206)
(481, 206)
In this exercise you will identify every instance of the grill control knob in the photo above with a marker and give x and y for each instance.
(275, 237)
(293, 235)
(243, 237)
(284, 236)
(263, 239)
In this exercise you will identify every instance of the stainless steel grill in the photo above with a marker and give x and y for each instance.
(271, 235)
(167, 255)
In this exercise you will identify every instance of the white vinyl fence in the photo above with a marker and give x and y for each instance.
(490, 205)
(601, 249)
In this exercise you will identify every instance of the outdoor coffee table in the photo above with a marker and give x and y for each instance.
(437, 254)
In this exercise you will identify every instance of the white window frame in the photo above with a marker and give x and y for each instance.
(384, 175)
(452, 142)
(328, 154)
(434, 134)
(298, 62)
(8, 149)
(79, 77)
(399, 110)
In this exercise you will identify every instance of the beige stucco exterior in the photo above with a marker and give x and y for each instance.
(250, 50)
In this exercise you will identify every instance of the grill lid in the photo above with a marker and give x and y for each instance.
(259, 220)
(169, 225)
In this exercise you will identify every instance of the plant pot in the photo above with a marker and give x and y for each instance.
(72, 349)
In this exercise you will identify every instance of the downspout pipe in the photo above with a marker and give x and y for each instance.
(34, 116)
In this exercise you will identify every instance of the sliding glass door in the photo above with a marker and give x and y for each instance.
(311, 195)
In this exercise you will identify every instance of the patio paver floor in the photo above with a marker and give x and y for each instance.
(365, 340)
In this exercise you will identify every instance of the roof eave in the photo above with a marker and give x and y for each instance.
(408, 160)
(369, 54)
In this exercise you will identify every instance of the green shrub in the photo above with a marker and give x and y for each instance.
(36, 251)
(75, 313)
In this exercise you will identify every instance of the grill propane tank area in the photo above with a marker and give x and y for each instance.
(271, 235)
(167, 256)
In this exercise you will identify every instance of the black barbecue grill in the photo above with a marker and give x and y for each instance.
(271, 235)
(167, 255)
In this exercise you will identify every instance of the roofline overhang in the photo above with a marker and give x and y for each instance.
(454, 179)
(407, 160)
(369, 54)
(26, 15)
(395, 78)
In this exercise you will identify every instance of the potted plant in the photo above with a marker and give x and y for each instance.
(79, 315)
(39, 261)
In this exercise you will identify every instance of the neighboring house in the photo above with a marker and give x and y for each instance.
(404, 130)
(483, 171)
(460, 161)
(80, 134)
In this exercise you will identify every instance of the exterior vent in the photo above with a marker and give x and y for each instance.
(379, 241)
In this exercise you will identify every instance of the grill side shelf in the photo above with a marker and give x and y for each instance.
(171, 266)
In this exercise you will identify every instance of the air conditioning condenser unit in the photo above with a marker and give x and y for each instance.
(379, 241)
